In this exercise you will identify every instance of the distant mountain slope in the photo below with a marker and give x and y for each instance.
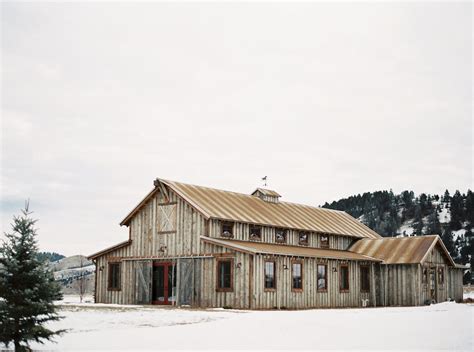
(50, 256)
(73, 271)
(404, 214)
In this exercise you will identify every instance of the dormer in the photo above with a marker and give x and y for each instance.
(267, 195)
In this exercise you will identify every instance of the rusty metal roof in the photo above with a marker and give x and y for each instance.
(400, 250)
(225, 205)
(286, 250)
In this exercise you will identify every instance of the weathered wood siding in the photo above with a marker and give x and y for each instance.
(398, 285)
(242, 233)
(309, 297)
(454, 281)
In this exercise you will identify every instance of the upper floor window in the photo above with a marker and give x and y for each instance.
(324, 241)
(280, 236)
(364, 278)
(303, 238)
(270, 278)
(322, 277)
(227, 229)
(344, 278)
(225, 272)
(114, 276)
(255, 233)
(297, 276)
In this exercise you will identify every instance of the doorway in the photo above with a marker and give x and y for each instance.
(164, 283)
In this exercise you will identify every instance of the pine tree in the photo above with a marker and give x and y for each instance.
(27, 288)
(447, 238)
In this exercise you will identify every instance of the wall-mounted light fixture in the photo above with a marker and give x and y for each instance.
(163, 248)
(101, 268)
(238, 265)
(285, 267)
(334, 270)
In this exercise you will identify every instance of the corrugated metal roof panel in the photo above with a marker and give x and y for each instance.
(219, 204)
(399, 250)
(294, 251)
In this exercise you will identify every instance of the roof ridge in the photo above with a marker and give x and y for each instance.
(253, 197)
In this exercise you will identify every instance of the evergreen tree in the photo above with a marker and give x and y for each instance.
(447, 238)
(27, 288)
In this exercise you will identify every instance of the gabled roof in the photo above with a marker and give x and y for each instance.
(110, 249)
(400, 250)
(218, 204)
(286, 250)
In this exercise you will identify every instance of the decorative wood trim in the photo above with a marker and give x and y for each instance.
(165, 232)
(167, 203)
(297, 261)
(109, 276)
(364, 266)
(272, 289)
(340, 278)
(225, 289)
(325, 278)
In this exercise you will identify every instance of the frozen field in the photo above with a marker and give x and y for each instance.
(447, 326)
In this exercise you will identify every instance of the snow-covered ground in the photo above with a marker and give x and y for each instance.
(447, 326)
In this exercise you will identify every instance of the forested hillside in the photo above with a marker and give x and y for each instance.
(405, 214)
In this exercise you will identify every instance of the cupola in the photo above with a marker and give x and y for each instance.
(267, 195)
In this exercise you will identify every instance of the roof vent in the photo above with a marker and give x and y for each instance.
(266, 195)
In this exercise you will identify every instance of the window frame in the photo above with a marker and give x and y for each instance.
(293, 289)
(259, 235)
(326, 246)
(325, 289)
(227, 223)
(341, 289)
(365, 267)
(303, 243)
(225, 289)
(285, 235)
(110, 276)
(441, 275)
(424, 275)
(269, 289)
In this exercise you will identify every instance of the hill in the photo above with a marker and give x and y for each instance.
(405, 214)
(74, 273)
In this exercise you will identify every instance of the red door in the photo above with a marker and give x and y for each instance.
(164, 283)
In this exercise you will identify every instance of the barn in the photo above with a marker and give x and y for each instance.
(203, 247)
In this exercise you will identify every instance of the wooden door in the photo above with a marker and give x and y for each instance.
(143, 271)
(164, 283)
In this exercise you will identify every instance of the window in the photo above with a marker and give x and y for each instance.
(270, 279)
(280, 236)
(324, 241)
(114, 276)
(303, 238)
(322, 277)
(441, 276)
(255, 233)
(225, 273)
(425, 276)
(166, 218)
(344, 278)
(297, 276)
(227, 229)
(364, 278)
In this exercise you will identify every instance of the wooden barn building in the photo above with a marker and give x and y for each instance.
(202, 247)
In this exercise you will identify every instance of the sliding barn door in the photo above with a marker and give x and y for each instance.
(189, 282)
(143, 277)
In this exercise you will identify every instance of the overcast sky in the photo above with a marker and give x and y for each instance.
(327, 100)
